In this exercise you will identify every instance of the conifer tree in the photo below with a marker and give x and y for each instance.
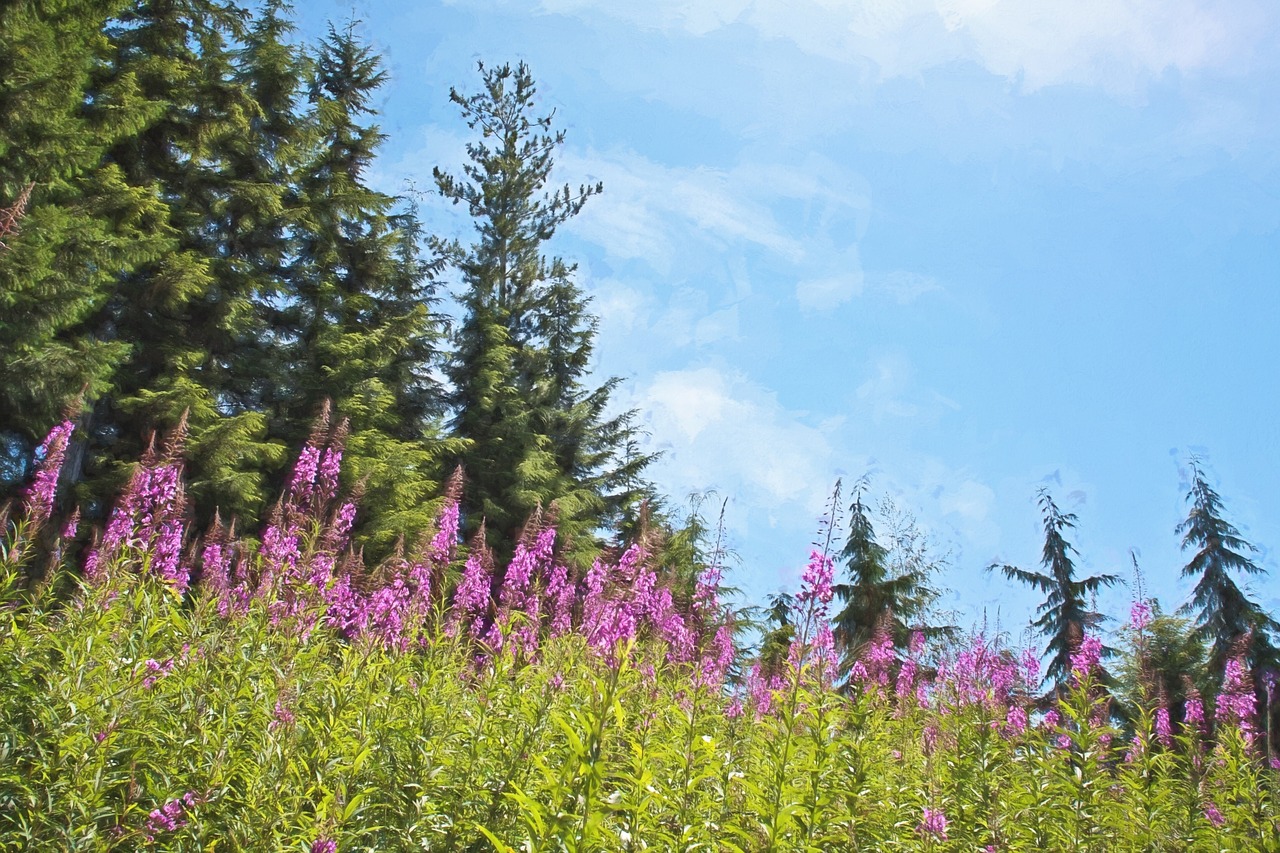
(1224, 614)
(877, 595)
(190, 316)
(80, 223)
(364, 334)
(538, 432)
(1065, 615)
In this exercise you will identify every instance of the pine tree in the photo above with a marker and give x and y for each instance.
(1224, 614)
(538, 433)
(1065, 615)
(362, 327)
(81, 224)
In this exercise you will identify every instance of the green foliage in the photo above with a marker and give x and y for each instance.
(1224, 614)
(83, 220)
(539, 435)
(888, 588)
(1161, 663)
(358, 328)
(1065, 615)
(118, 699)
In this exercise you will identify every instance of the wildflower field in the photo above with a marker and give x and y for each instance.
(177, 692)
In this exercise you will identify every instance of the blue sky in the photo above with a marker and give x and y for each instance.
(974, 247)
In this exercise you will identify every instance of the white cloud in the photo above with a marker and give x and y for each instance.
(969, 499)
(1118, 45)
(823, 294)
(725, 432)
(650, 212)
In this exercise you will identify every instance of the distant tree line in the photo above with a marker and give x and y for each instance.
(191, 229)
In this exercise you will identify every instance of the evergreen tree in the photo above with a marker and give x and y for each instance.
(190, 315)
(80, 225)
(1224, 614)
(363, 330)
(1065, 615)
(883, 591)
(538, 433)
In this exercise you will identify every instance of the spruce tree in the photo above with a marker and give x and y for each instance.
(81, 225)
(877, 595)
(1224, 614)
(1065, 615)
(363, 331)
(538, 432)
(190, 315)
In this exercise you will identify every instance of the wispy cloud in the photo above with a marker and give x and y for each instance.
(1118, 45)
(653, 212)
(720, 430)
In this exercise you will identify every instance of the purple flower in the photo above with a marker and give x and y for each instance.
(336, 536)
(1030, 667)
(172, 815)
(324, 845)
(706, 595)
(215, 567)
(1086, 658)
(1164, 731)
(760, 689)
(148, 517)
(1236, 703)
(302, 482)
(717, 659)
(929, 739)
(906, 683)
(1194, 715)
(38, 499)
(816, 580)
(560, 593)
(385, 615)
(471, 597)
(281, 716)
(446, 538)
(330, 467)
(1139, 615)
(1214, 816)
(933, 825)
(69, 529)
(1015, 721)
(156, 671)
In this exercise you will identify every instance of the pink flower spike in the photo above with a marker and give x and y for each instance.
(1085, 660)
(1139, 615)
(38, 499)
(934, 824)
(1164, 731)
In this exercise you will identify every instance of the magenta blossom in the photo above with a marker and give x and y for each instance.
(1086, 657)
(934, 824)
(38, 499)
(1236, 703)
(816, 581)
(1139, 615)
(1164, 731)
